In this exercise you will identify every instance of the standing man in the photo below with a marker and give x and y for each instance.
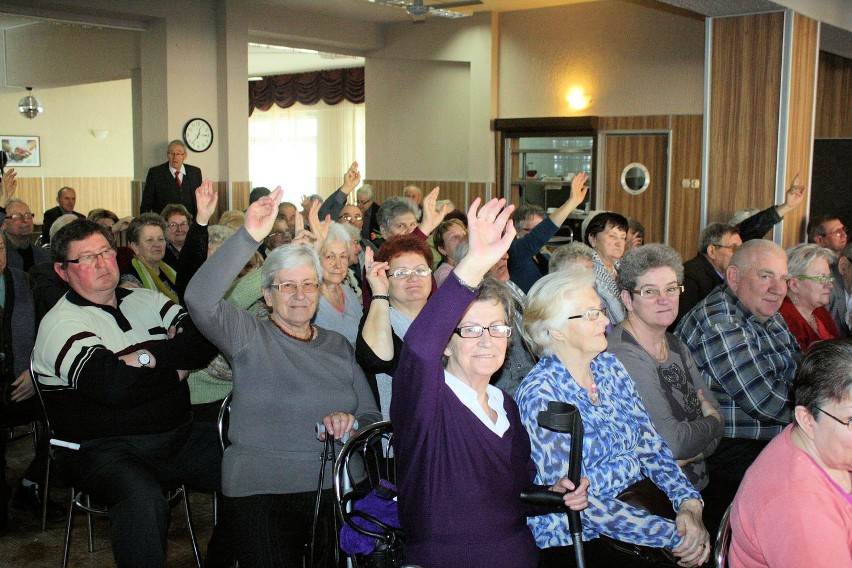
(112, 363)
(747, 355)
(370, 211)
(172, 182)
(829, 232)
(17, 229)
(66, 199)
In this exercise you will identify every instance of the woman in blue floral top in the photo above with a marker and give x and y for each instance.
(564, 323)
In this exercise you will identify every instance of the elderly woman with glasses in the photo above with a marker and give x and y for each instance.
(288, 376)
(147, 237)
(808, 293)
(794, 507)
(398, 295)
(565, 324)
(339, 306)
(462, 453)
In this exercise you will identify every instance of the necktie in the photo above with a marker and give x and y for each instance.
(177, 178)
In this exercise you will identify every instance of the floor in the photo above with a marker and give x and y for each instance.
(27, 546)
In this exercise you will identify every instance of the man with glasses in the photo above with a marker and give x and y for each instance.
(172, 182)
(844, 268)
(17, 231)
(829, 232)
(747, 355)
(66, 199)
(111, 363)
(716, 245)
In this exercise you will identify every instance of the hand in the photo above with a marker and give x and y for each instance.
(575, 499)
(351, 179)
(182, 374)
(8, 185)
(693, 459)
(132, 359)
(306, 203)
(486, 239)
(173, 331)
(432, 217)
(579, 189)
(22, 388)
(122, 224)
(306, 237)
(695, 548)
(794, 196)
(707, 408)
(337, 424)
(377, 273)
(206, 198)
(261, 215)
(319, 229)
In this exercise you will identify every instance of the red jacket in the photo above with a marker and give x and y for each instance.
(802, 330)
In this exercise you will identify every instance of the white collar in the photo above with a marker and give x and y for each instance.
(467, 396)
(182, 171)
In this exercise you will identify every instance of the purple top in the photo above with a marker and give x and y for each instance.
(459, 482)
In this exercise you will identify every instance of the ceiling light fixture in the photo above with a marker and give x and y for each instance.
(578, 99)
(29, 107)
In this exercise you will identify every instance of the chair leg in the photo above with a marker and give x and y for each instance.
(46, 494)
(68, 525)
(193, 541)
(90, 523)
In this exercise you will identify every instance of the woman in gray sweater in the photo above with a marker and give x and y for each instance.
(288, 375)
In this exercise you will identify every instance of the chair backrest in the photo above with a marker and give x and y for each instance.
(723, 539)
(373, 446)
(48, 428)
(224, 420)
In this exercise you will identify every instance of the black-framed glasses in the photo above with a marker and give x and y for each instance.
(732, 247)
(590, 315)
(291, 287)
(406, 272)
(823, 280)
(350, 218)
(847, 423)
(19, 216)
(654, 293)
(90, 259)
(474, 331)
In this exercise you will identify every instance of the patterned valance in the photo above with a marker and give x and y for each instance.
(330, 86)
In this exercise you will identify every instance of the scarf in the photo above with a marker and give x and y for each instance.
(152, 281)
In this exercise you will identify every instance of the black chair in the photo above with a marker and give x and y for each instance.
(81, 500)
(365, 460)
(723, 539)
(224, 421)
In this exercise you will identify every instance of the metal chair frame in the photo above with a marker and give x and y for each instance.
(723, 539)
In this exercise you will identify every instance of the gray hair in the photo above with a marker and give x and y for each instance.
(337, 233)
(218, 234)
(286, 257)
(800, 257)
(177, 142)
(712, 235)
(61, 222)
(549, 305)
(352, 230)
(743, 214)
(134, 230)
(492, 290)
(525, 212)
(392, 208)
(568, 255)
(640, 260)
(365, 189)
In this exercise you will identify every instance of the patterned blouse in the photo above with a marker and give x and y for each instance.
(620, 447)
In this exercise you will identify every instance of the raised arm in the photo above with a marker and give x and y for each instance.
(431, 216)
(335, 202)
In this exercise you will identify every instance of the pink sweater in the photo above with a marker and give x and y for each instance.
(788, 512)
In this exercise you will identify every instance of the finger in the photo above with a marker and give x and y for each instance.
(474, 207)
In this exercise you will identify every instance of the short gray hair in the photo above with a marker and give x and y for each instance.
(640, 260)
(800, 257)
(392, 208)
(365, 189)
(549, 305)
(286, 257)
(177, 142)
(134, 230)
(61, 222)
(712, 235)
(337, 233)
(218, 234)
(568, 255)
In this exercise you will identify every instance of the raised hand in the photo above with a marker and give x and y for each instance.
(377, 273)
(261, 215)
(579, 189)
(319, 229)
(351, 179)
(206, 198)
(486, 238)
(432, 217)
(8, 185)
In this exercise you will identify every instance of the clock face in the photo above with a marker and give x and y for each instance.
(198, 135)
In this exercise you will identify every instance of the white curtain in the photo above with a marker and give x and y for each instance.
(305, 149)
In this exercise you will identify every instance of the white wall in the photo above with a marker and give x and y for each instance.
(68, 147)
(630, 59)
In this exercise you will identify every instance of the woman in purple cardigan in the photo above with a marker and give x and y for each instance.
(462, 453)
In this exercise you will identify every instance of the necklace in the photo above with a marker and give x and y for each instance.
(296, 337)
(661, 353)
(593, 394)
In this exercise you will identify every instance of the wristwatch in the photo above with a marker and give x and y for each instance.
(144, 359)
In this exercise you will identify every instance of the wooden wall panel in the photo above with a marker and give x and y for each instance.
(685, 204)
(452, 190)
(744, 103)
(240, 191)
(111, 193)
(633, 122)
(803, 76)
(834, 107)
(30, 192)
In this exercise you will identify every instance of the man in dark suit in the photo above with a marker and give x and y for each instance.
(172, 182)
(716, 245)
(370, 211)
(66, 198)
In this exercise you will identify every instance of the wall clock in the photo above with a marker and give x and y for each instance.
(198, 135)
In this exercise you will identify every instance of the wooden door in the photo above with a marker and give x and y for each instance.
(648, 207)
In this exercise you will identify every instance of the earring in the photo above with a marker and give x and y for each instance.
(795, 300)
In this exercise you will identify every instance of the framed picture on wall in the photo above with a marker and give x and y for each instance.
(21, 151)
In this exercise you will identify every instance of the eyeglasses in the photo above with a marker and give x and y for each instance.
(19, 216)
(590, 314)
(732, 247)
(173, 154)
(291, 287)
(406, 272)
(350, 218)
(656, 293)
(837, 232)
(474, 331)
(183, 225)
(823, 280)
(90, 259)
(847, 423)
